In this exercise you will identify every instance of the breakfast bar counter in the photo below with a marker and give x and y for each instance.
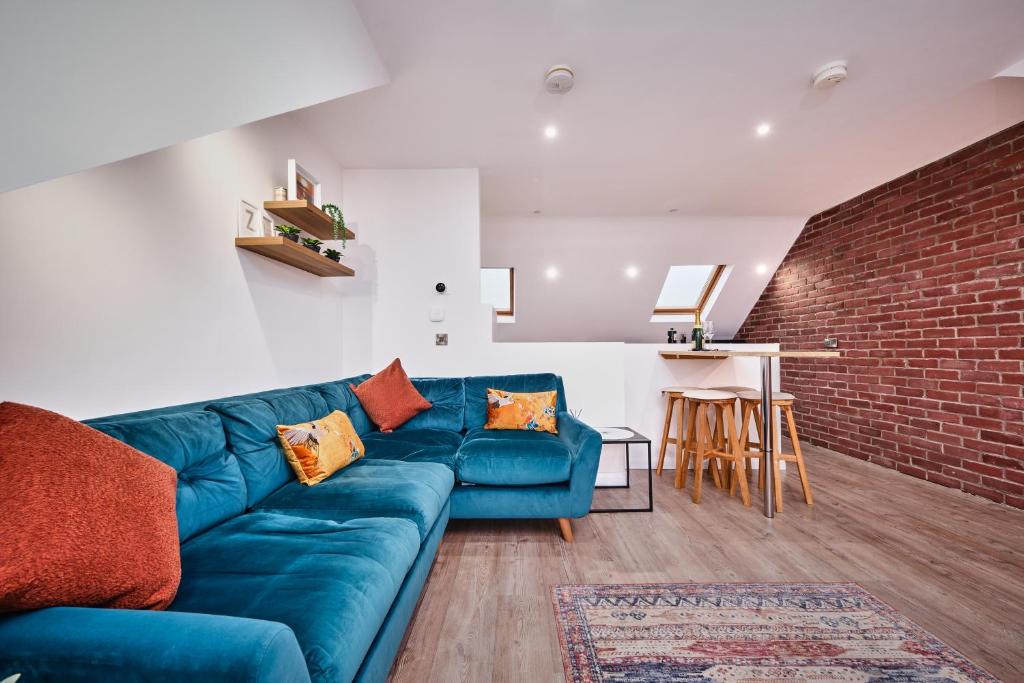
(718, 355)
(766, 357)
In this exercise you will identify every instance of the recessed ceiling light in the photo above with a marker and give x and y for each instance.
(536, 211)
(763, 129)
(551, 132)
(551, 273)
(761, 269)
(632, 272)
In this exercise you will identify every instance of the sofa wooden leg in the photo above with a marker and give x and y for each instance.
(566, 526)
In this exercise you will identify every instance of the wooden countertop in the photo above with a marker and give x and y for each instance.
(718, 355)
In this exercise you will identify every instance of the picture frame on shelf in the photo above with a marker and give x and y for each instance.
(267, 224)
(302, 184)
(250, 222)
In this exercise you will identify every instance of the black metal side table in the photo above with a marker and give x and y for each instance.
(633, 438)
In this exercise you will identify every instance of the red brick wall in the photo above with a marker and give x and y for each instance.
(922, 281)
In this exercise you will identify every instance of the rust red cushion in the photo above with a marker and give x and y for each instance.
(389, 398)
(85, 520)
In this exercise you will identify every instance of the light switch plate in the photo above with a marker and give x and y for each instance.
(441, 339)
(436, 314)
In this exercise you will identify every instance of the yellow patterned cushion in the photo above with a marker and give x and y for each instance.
(318, 449)
(532, 412)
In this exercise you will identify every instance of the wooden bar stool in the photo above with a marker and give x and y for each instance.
(673, 396)
(706, 446)
(750, 405)
(719, 434)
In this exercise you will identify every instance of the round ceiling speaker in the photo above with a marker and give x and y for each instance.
(559, 79)
(830, 75)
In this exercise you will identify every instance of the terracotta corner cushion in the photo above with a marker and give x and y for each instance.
(85, 520)
(389, 397)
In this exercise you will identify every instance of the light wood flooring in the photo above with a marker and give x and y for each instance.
(951, 562)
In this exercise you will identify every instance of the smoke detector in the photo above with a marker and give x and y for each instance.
(559, 79)
(829, 75)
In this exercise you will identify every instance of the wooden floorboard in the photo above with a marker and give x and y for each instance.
(951, 562)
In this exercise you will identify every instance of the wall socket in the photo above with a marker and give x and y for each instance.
(441, 339)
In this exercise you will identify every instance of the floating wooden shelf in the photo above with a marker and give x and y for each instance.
(303, 214)
(295, 255)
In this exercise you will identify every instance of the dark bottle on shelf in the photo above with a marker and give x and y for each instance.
(671, 335)
(698, 337)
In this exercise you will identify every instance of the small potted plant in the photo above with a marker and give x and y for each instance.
(288, 232)
(333, 211)
(312, 243)
(333, 254)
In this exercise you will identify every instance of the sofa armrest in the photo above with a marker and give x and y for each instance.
(584, 443)
(91, 644)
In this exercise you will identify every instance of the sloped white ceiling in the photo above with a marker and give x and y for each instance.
(668, 94)
(593, 299)
(88, 83)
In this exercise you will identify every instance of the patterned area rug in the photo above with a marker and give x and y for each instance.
(745, 632)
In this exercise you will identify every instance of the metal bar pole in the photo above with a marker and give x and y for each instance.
(768, 436)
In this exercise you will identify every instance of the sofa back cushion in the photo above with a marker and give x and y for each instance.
(476, 392)
(210, 485)
(448, 396)
(250, 425)
(339, 396)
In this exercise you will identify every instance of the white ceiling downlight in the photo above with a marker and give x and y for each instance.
(829, 75)
(550, 132)
(559, 79)
(763, 129)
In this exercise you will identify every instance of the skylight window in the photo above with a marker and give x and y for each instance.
(497, 288)
(687, 289)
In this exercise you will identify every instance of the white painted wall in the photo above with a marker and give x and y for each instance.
(593, 300)
(87, 83)
(416, 228)
(121, 288)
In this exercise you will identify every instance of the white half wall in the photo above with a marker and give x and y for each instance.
(87, 83)
(121, 288)
(593, 300)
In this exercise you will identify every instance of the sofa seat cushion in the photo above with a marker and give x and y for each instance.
(512, 458)
(332, 583)
(414, 445)
(416, 491)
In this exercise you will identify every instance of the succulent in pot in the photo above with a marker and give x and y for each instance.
(333, 254)
(312, 243)
(288, 232)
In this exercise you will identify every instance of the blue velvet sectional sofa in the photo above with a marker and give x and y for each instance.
(283, 582)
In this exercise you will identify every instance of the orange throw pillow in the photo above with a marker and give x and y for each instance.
(85, 520)
(389, 398)
(531, 412)
(318, 449)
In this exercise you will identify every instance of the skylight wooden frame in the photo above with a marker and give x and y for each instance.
(702, 299)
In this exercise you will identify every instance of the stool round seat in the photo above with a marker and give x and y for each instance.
(754, 395)
(734, 389)
(709, 395)
(677, 390)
